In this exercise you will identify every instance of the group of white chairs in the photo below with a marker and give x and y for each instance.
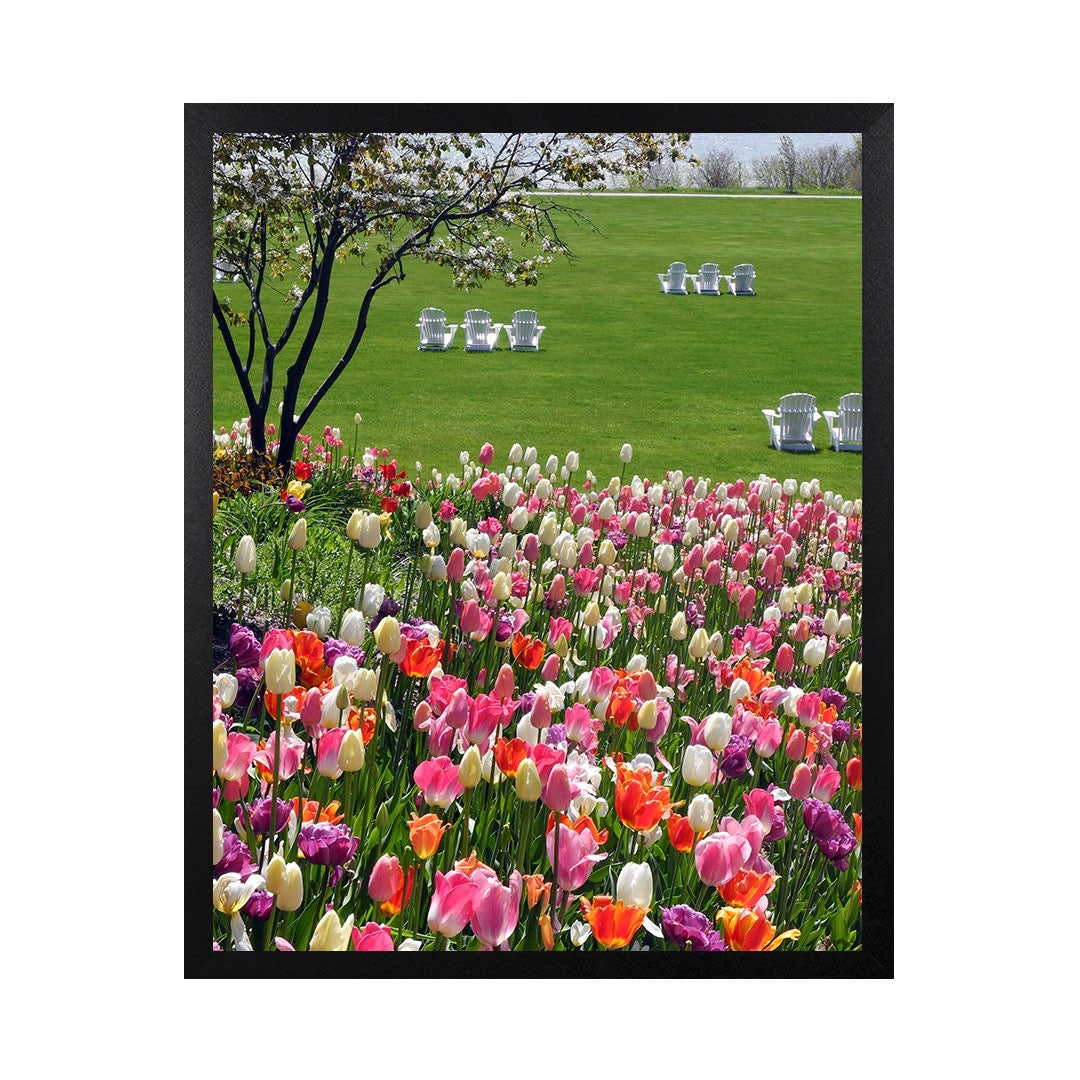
(791, 425)
(706, 281)
(481, 334)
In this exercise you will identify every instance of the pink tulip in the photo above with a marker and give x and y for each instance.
(386, 879)
(235, 770)
(455, 565)
(801, 780)
(557, 589)
(746, 602)
(540, 717)
(714, 573)
(372, 937)
(453, 902)
(458, 709)
(327, 757)
(291, 754)
(785, 659)
(496, 909)
(421, 716)
(550, 671)
(768, 738)
(760, 804)
(720, 856)
(795, 747)
(531, 548)
(311, 713)
(826, 783)
(602, 681)
(578, 855)
(578, 721)
(809, 709)
(504, 683)
(750, 829)
(556, 792)
(487, 714)
(438, 779)
(487, 454)
(470, 617)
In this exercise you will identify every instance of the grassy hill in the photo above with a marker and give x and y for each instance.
(681, 378)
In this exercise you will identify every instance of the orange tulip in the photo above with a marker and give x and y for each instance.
(640, 801)
(613, 924)
(748, 930)
(546, 935)
(854, 773)
(313, 812)
(366, 726)
(858, 827)
(470, 864)
(582, 824)
(528, 651)
(421, 657)
(621, 709)
(679, 833)
(425, 834)
(509, 754)
(538, 891)
(755, 678)
(746, 888)
(310, 665)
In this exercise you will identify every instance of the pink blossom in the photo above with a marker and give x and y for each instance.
(578, 855)
(453, 902)
(496, 909)
(438, 779)
(720, 856)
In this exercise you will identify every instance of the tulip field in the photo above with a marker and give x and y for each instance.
(533, 703)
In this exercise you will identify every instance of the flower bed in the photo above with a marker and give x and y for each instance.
(525, 709)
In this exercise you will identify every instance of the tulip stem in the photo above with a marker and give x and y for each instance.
(345, 586)
(555, 853)
(240, 614)
(274, 778)
(291, 598)
(319, 912)
(463, 830)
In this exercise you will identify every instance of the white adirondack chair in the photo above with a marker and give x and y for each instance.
(707, 280)
(845, 425)
(740, 280)
(481, 333)
(792, 428)
(524, 332)
(674, 281)
(434, 333)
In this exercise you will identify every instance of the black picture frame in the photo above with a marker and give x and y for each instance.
(875, 122)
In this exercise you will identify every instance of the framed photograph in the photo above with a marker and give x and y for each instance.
(539, 532)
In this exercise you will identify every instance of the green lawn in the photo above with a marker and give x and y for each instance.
(682, 378)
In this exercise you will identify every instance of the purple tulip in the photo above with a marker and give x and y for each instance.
(260, 815)
(833, 698)
(259, 906)
(685, 926)
(236, 858)
(334, 647)
(830, 831)
(244, 646)
(324, 844)
(736, 757)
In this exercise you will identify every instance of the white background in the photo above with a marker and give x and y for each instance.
(984, 860)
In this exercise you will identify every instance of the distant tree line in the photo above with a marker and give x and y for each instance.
(831, 166)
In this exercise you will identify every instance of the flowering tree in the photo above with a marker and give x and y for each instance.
(289, 208)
